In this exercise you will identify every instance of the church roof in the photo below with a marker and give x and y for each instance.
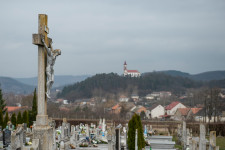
(134, 71)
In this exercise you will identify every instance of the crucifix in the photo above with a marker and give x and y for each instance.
(46, 60)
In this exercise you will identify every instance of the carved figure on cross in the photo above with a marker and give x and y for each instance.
(51, 57)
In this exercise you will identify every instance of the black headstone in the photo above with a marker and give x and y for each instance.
(25, 126)
(117, 139)
(6, 137)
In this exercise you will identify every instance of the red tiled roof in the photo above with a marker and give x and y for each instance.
(116, 106)
(195, 110)
(64, 109)
(173, 104)
(60, 100)
(12, 108)
(183, 111)
(135, 71)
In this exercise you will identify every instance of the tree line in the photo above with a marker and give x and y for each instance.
(27, 116)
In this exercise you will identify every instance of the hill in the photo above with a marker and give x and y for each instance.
(106, 85)
(205, 76)
(10, 85)
(59, 80)
(209, 76)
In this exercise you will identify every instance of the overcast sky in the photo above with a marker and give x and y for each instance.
(98, 36)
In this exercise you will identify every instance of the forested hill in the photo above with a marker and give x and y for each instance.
(112, 84)
(205, 76)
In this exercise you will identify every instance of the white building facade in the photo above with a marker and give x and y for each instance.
(157, 112)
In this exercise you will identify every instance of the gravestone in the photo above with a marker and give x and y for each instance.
(103, 125)
(1, 135)
(194, 145)
(202, 140)
(62, 133)
(1, 138)
(6, 137)
(10, 125)
(109, 138)
(1, 145)
(72, 129)
(25, 126)
(136, 139)
(190, 143)
(184, 135)
(17, 138)
(68, 129)
(212, 140)
(188, 136)
(118, 145)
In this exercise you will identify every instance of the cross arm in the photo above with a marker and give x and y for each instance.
(36, 40)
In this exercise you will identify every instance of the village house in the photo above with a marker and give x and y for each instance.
(164, 94)
(135, 97)
(185, 113)
(156, 111)
(123, 98)
(149, 97)
(172, 108)
(116, 109)
(136, 109)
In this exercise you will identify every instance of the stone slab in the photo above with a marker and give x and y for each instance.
(164, 138)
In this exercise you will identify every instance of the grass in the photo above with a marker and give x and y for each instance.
(220, 141)
(177, 146)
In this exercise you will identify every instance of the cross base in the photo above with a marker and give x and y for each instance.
(42, 120)
(45, 136)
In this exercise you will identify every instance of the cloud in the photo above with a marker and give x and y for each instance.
(98, 36)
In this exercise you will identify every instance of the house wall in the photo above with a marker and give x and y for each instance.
(158, 111)
(174, 109)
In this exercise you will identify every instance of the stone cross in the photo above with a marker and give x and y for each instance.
(42, 118)
(42, 130)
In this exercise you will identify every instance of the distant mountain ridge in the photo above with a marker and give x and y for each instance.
(27, 85)
(205, 76)
(60, 80)
(10, 85)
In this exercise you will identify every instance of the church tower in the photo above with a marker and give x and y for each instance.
(125, 68)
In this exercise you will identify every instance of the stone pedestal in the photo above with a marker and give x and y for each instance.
(44, 134)
(42, 120)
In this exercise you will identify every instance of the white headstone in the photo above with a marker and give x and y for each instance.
(202, 141)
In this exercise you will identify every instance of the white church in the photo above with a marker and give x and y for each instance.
(132, 73)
